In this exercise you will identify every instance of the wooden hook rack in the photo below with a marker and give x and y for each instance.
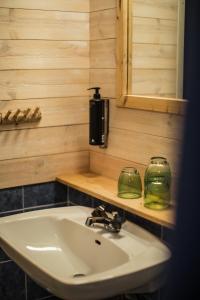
(20, 116)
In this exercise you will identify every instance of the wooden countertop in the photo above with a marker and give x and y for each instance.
(106, 189)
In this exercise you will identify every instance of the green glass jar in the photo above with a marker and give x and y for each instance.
(157, 183)
(129, 184)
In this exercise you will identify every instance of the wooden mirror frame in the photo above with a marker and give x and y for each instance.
(123, 74)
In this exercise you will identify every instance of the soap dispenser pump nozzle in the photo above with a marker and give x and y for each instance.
(96, 94)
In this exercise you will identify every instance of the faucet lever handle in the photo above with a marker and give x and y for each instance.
(116, 217)
(115, 214)
(99, 212)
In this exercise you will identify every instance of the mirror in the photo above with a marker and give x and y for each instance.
(150, 50)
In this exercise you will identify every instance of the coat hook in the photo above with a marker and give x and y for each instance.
(20, 116)
(25, 116)
(14, 118)
(6, 117)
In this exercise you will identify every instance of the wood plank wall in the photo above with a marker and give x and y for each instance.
(154, 47)
(44, 61)
(135, 135)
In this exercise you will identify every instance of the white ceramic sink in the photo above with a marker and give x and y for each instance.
(76, 262)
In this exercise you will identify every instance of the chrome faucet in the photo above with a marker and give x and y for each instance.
(99, 215)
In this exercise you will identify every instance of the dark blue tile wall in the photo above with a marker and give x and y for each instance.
(34, 291)
(3, 256)
(44, 194)
(168, 236)
(12, 280)
(150, 226)
(14, 284)
(79, 198)
(11, 199)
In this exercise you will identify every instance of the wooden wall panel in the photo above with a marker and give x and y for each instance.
(43, 141)
(44, 62)
(25, 84)
(154, 35)
(38, 54)
(60, 5)
(103, 25)
(111, 166)
(154, 56)
(55, 111)
(43, 25)
(38, 169)
(164, 9)
(135, 135)
(153, 123)
(154, 31)
(102, 4)
(103, 46)
(105, 78)
(103, 54)
(154, 82)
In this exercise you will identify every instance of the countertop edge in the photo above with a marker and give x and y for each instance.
(105, 188)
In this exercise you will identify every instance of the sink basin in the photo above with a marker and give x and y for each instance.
(76, 262)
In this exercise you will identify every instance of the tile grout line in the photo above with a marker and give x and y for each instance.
(68, 202)
(162, 229)
(26, 291)
(32, 207)
(43, 206)
(10, 211)
(159, 294)
(23, 198)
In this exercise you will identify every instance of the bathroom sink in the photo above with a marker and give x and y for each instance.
(76, 262)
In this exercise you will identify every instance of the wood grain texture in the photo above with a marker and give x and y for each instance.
(55, 111)
(154, 56)
(166, 104)
(154, 123)
(180, 50)
(154, 46)
(103, 24)
(154, 82)
(101, 4)
(111, 166)
(105, 78)
(61, 5)
(44, 61)
(102, 54)
(122, 69)
(106, 189)
(43, 141)
(25, 84)
(153, 8)
(43, 25)
(23, 171)
(139, 147)
(154, 31)
(31, 54)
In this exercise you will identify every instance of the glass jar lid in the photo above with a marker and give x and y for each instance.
(158, 160)
(130, 170)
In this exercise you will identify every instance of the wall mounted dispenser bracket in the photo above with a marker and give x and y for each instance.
(99, 120)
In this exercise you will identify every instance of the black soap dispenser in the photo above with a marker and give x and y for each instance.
(99, 111)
